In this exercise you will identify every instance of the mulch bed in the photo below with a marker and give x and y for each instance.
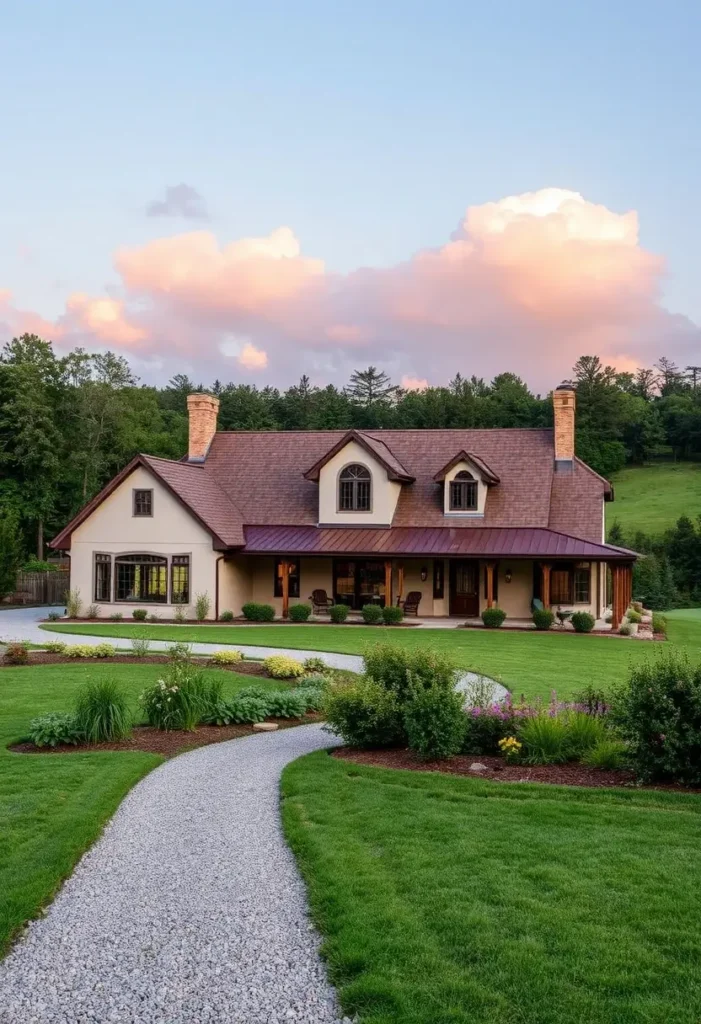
(566, 632)
(168, 744)
(499, 771)
(244, 668)
(231, 622)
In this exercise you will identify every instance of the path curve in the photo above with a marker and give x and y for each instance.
(188, 910)
(23, 624)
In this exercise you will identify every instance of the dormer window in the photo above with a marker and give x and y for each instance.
(355, 489)
(463, 492)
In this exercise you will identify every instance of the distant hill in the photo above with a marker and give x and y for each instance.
(651, 498)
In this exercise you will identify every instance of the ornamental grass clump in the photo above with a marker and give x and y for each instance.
(179, 700)
(545, 739)
(74, 604)
(102, 712)
(203, 604)
(608, 754)
(280, 666)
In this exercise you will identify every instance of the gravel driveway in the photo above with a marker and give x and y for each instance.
(188, 910)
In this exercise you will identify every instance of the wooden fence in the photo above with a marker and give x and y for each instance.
(41, 587)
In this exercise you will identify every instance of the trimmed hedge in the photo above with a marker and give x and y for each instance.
(255, 612)
(372, 614)
(392, 615)
(583, 622)
(543, 618)
(300, 612)
(338, 612)
(493, 618)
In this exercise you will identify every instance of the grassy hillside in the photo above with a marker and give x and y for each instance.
(651, 498)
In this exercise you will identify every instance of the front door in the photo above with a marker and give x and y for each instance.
(464, 588)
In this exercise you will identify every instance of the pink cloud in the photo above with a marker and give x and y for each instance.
(527, 283)
(413, 383)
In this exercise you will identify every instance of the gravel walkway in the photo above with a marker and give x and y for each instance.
(189, 909)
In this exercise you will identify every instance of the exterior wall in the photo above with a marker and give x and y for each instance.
(481, 492)
(385, 493)
(235, 584)
(314, 574)
(515, 597)
(112, 529)
(413, 581)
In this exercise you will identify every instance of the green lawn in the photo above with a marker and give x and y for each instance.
(529, 663)
(459, 901)
(651, 498)
(52, 807)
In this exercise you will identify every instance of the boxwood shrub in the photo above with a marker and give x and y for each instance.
(543, 618)
(583, 622)
(338, 612)
(493, 618)
(255, 612)
(300, 612)
(372, 614)
(392, 615)
(140, 614)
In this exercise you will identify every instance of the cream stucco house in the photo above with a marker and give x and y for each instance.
(463, 518)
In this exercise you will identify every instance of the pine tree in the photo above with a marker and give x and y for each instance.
(371, 386)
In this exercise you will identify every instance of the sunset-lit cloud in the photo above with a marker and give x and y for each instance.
(528, 284)
(413, 383)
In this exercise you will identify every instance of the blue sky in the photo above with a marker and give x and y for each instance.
(368, 128)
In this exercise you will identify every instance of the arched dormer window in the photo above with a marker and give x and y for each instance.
(463, 492)
(355, 489)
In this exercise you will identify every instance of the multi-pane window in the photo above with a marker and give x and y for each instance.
(143, 503)
(103, 577)
(561, 586)
(355, 489)
(582, 585)
(293, 578)
(141, 578)
(180, 579)
(463, 492)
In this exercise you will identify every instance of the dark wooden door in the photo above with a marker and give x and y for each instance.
(464, 588)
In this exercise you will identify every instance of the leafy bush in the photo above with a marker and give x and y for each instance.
(74, 604)
(104, 650)
(140, 646)
(79, 651)
(102, 712)
(179, 653)
(286, 704)
(658, 712)
(434, 720)
(607, 753)
(313, 696)
(179, 613)
(314, 664)
(180, 700)
(203, 603)
(338, 613)
(154, 618)
(139, 614)
(16, 654)
(392, 615)
(315, 681)
(485, 725)
(493, 618)
(117, 617)
(39, 565)
(591, 700)
(583, 733)
(659, 623)
(543, 618)
(246, 707)
(583, 622)
(93, 611)
(53, 616)
(634, 616)
(545, 739)
(280, 666)
(625, 629)
(255, 612)
(300, 612)
(396, 668)
(365, 715)
(372, 614)
(226, 616)
(226, 657)
(54, 729)
(55, 646)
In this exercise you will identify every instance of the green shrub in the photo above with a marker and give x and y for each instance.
(493, 618)
(659, 623)
(485, 724)
(372, 614)
(392, 615)
(102, 712)
(608, 753)
(16, 654)
(591, 700)
(434, 720)
(280, 666)
(226, 616)
(93, 611)
(179, 701)
(315, 681)
(658, 713)
(203, 604)
(179, 653)
(179, 611)
(117, 617)
(55, 646)
(104, 650)
(140, 646)
(625, 629)
(543, 618)
(315, 664)
(226, 657)
(338, 612)
(300, 612)
(39, 565)
(54, 729)
(545, 739)
(583, 622)
(74, 604)
(255, 612)
(154, 618)
(79, 651)
(396, 668)
(583, 733)
(139, 614)
(312, 696)
(634, 616)
(286, 704)
(53, 616)
(245, 708)
(365, 715)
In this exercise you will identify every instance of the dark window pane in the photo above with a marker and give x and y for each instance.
(561, 586)
(293, 580)
(103, 578)
(582, 586)
(180, 579)
(463, 495)
(143, 503)
(355, 490)
(141, 578)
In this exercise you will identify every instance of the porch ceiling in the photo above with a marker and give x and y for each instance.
(423, 541)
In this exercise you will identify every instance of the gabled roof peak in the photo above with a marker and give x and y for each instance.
(488, 475)
(374, 446)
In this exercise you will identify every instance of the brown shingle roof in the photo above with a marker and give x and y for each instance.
(374, 445)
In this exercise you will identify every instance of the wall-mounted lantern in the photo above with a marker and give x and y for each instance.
(424, 573)
(508, 576)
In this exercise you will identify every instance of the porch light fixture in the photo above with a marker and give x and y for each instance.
(508, 576)
(424, 573)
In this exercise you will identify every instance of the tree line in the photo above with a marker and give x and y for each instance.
(69, 423)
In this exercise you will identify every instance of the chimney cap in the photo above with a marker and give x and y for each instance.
(565, 386)
(202, 397)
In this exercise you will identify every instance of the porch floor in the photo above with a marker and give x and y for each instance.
(454, 622)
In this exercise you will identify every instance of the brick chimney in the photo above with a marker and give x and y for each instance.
(202, 414)
(564, 401)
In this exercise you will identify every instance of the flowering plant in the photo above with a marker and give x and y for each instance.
(510, 748)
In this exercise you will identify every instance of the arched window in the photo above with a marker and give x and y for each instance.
(355, 489)
(141, 578)
(463, 492)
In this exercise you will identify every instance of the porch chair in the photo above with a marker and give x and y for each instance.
(321, 602)
(411, 602)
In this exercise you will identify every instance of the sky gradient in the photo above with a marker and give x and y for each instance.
(253, 191)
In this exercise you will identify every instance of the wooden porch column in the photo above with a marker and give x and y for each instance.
(621, 591)
(490, 584)
(388, 584)
(285, 580)
(400, 583)
(545, 568)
